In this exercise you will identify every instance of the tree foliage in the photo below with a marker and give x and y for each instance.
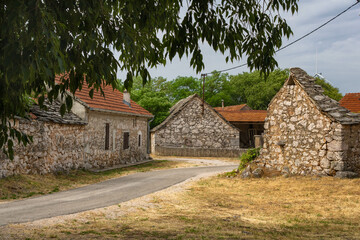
(255, 90)
(40, 39)
(329, 89)
(158, 95)
(152, 96)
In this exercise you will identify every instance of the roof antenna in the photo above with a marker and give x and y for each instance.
(203, 93)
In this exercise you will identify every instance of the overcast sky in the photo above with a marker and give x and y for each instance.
(337, 45)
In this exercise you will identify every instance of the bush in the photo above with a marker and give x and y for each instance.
(247, 157)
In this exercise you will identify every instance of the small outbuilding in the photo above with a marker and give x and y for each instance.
(307, 132)
(249, 122)
(194, 128)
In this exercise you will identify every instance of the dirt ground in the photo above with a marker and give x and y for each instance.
(217, 207)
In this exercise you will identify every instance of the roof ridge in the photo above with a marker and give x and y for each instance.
(181, 105)
(113, 99)
(325, 104)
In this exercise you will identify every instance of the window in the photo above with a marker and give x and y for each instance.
(134, 122)
(126, 140)
(107, 136)
(139, 140)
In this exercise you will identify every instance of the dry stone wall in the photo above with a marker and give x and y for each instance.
(300, 139)
(55, 147)
(62, 147)
(191, 129)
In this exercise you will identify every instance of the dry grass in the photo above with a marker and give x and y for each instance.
(221, 208)
(23, 186)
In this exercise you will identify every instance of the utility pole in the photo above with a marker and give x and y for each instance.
(203, 93)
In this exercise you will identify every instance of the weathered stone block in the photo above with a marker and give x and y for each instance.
(336, 145)
(325, 163)
(338, 166)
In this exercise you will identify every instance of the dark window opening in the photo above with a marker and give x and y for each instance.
(139, 140)
(126, 140)
(107, 136)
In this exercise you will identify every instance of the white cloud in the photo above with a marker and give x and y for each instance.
(338, 45)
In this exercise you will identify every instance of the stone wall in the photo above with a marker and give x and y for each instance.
(95, 139)
(301, 139)
(191, 129)
(200, 152)
(351, 147)
(62, 147)
(55, 147)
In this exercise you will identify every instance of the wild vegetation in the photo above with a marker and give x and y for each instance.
(248, 157)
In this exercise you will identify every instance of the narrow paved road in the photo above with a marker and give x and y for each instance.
(98, 195)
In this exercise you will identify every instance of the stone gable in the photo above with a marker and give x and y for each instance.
(309, 133)
(187, 127)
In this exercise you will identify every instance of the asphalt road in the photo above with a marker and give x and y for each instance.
(98, 195)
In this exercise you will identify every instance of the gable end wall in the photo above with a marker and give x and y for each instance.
(313, 143)
(190, 129)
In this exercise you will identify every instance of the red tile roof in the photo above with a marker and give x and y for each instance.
(234, 108)
(112, 101)
(244, 115)
(351, 101)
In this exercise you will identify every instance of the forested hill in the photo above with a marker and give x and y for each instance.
(158, 95)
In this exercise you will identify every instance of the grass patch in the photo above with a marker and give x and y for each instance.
(227, 208)
(248, 157)
(24, 186)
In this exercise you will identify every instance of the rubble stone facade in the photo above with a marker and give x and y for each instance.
(94, 139)
(306, 132)
(188, 128)
(55, 148)
(61, 147)
(100, 138)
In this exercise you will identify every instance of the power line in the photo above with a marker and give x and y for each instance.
(297, 40)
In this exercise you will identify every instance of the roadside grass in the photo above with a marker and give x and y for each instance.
(24, 186)
(221, 208)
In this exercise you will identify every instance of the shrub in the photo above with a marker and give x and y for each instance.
(247, 157)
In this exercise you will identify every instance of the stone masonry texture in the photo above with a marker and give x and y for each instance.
(308, 133)
(187, 127)
(60, 147)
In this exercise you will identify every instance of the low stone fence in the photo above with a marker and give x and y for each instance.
(199, 152)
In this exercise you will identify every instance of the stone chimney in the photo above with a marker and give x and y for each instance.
(222, 103)
(126, 98)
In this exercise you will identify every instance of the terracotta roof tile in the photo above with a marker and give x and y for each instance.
(351, 101)
(112, 101)
(234, 108)
(244, 115)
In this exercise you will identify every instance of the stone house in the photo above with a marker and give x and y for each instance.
(98, 132)
(307, 132)
(195, 129)
(249, 122)
(351, 101)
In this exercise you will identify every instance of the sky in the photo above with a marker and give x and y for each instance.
(337, 46)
